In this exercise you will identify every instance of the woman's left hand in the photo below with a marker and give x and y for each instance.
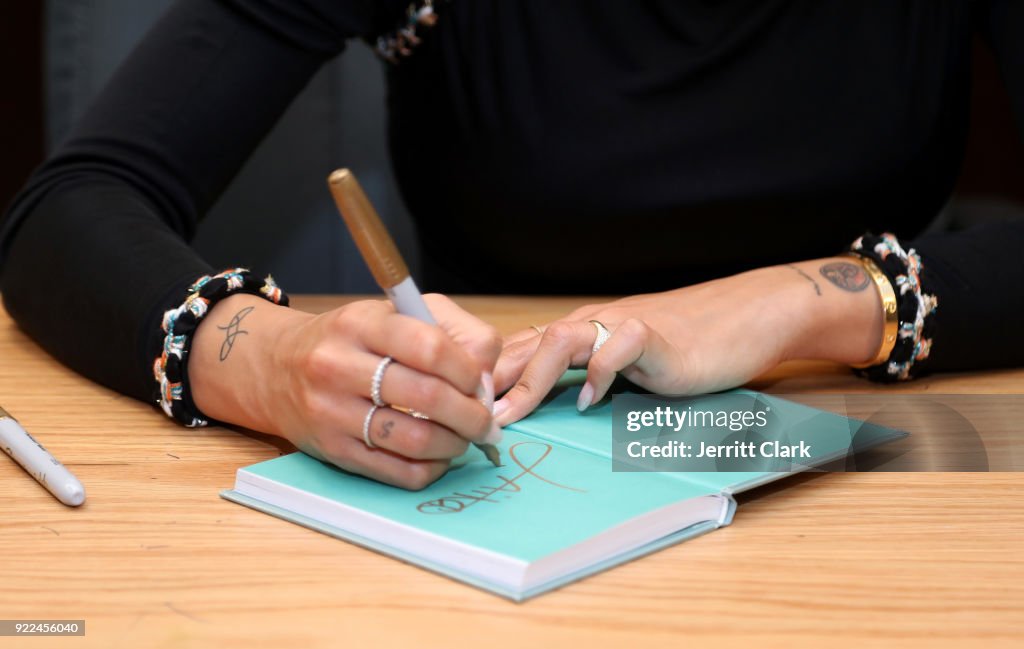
(701, 338)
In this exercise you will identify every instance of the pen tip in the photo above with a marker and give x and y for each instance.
(492, 453)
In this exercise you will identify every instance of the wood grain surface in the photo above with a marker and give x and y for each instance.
(156, 559)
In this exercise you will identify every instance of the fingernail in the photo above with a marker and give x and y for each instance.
(487, 382)
(500, 406)
(586, 395)
(495, 435)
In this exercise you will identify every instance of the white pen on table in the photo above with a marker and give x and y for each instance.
(37, 461)
(391, 273)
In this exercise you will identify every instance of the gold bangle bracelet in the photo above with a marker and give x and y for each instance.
(889, 315)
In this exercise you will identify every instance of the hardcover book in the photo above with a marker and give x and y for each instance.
(554, 512)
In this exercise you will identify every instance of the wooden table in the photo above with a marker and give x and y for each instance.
(156, 558)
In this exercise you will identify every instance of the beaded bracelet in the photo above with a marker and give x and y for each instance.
(915, 307)
(399, 44)
(170, 369)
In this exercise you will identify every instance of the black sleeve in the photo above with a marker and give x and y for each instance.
(978, 274)
(93, 250)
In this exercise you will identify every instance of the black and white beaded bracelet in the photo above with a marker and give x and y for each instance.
(170, 369)
(400, 43)
(915, 306)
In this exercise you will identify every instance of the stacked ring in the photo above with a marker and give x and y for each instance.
(366, 426)
(378, 378)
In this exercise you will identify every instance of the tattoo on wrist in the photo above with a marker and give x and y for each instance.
(845, 275)
(232, 331)
(814, 282)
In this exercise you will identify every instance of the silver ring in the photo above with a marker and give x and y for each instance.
(602, 336)
(537, 329)
(378, 378)
(366, 427)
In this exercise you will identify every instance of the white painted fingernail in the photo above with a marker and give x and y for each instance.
(495, 435)
(500, 406)
(586, 396)
(487, 381)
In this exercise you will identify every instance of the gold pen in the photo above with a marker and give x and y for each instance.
(385, 262)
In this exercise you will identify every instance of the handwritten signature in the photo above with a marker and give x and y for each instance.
(460, 501)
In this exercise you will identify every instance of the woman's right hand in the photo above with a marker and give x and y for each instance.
(308, 378)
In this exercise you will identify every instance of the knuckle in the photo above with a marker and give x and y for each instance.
(318, 363)
(416, 439)
(336, 449)
(560, 333)
(429, 346)
(418, 476)
(428, 391)
(492, 343)
(518, 351)
(524, 388)
(342, 320)
(313, 406)
(634, 328)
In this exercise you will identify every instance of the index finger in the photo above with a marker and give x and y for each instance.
(563, 345)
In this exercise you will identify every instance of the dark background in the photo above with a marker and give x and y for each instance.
(994, 166)
(21, 97)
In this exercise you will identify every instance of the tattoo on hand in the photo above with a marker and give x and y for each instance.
(388, 425)
(233, 330)
(817, 289)
(845, 275)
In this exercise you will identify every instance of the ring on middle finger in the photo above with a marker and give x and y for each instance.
(378, 378)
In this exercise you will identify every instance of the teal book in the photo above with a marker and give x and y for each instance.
(553, 513)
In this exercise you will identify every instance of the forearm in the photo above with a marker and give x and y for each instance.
(94, 248)
(88, 277)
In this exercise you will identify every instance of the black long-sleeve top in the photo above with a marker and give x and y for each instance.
(542, 146)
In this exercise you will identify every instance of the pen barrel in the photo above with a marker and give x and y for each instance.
(368, 231)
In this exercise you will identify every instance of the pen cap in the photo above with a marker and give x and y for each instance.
(368, 231)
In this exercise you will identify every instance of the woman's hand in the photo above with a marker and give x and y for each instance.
(308, 378)
(700, 338)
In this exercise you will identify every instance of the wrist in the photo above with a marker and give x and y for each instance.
(234, 365)
(839, 310)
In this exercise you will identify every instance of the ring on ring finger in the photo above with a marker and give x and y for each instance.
(366, 426)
